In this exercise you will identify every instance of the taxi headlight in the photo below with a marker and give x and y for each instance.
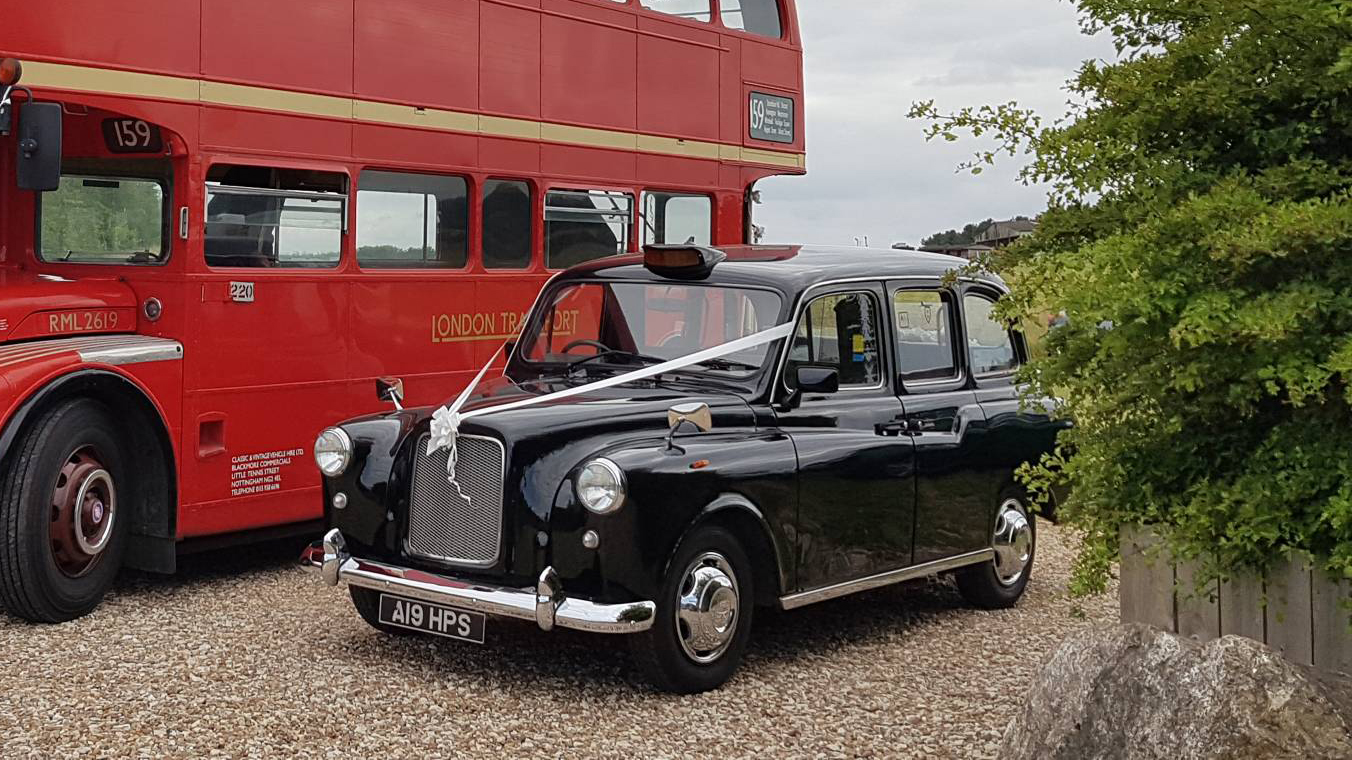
(333, 451)
(600, 486)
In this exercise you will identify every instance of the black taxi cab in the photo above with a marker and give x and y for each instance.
(682, 436)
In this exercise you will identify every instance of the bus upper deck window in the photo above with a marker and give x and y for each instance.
(695, 10)
(759, 17)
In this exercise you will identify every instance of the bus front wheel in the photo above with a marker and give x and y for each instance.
(63, 523)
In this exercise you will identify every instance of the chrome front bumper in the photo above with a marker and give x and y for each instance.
(547, 605)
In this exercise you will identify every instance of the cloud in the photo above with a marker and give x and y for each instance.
(871, 173)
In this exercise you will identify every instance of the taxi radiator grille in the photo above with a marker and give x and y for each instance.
(444, 526)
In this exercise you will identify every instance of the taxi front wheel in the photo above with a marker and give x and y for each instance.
(703, 615)
(63, 521)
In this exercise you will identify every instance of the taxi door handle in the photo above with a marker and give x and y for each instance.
(893, 428)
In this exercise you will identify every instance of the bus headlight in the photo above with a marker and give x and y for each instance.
(600, 486)
(333, 451)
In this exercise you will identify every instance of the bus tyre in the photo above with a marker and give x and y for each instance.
(703, 615)
(63, 528)
(999, 583)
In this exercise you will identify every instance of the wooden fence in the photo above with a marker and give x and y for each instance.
(1296, 609)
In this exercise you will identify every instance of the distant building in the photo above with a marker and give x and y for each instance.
(995, 236)
(1001, 234)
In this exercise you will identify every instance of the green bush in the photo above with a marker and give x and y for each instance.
(1199, 237)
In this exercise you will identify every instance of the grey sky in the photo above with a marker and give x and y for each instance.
(870, 171)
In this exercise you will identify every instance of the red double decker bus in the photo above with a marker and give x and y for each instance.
(220, 222)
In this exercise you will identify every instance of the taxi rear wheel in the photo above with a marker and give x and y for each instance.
(703, 617)
(63, 525)
(1000, 582)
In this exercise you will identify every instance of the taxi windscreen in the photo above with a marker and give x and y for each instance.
(624, 323)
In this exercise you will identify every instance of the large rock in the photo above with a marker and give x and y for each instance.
(1137, 692)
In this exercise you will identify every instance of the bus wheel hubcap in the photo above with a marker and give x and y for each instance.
(706, 609)
(84, 508)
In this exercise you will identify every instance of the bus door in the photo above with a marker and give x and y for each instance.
(266, 368)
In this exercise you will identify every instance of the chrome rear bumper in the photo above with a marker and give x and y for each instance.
(547, 605)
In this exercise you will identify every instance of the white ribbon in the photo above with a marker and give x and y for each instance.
(446, 427)
(446, 420)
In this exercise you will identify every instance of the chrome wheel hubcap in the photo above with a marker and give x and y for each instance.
(1013, 542)
(706, 608)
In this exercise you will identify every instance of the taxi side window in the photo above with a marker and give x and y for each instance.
(988, 341)
(924, 320)
(839, 332)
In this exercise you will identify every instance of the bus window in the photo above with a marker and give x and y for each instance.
(582, 225)
(755, 16)
(695, 10)
(264, 217)
(106, 212)
(507, 224)
(677, 218)
(412, 221)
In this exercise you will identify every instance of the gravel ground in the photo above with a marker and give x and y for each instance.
(251, 656)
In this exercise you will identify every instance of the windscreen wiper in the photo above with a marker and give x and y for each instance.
(641, 358)
(728, 365)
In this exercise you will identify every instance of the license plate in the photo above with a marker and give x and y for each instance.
(435, 619)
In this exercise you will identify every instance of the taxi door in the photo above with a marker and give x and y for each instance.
(945, 422)
(856, 468)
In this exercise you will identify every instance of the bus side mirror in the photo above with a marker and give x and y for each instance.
(39, 157)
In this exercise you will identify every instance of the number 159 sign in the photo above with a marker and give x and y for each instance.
(772, 117)
(132, 136)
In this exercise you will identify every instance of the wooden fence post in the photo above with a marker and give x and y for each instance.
(1332, 623)
(1242, 606)
(1147, 588)
(1290, 622)
(1199, 611)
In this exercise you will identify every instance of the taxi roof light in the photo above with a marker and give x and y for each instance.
(687, 262)
(11, 71)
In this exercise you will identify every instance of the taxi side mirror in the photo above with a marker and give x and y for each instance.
(391, 390)
(38, 166)
(818, 380)
(696, 414)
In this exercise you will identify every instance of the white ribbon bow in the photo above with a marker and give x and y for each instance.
(446, 420)
(446, 427)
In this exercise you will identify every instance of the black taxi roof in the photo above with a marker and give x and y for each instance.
(794, 268)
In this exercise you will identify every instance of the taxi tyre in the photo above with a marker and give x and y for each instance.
(32, 586)
(658, 651)
(980, 585)
(367, 603)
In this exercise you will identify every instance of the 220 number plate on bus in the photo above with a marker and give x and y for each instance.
(435, 619)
